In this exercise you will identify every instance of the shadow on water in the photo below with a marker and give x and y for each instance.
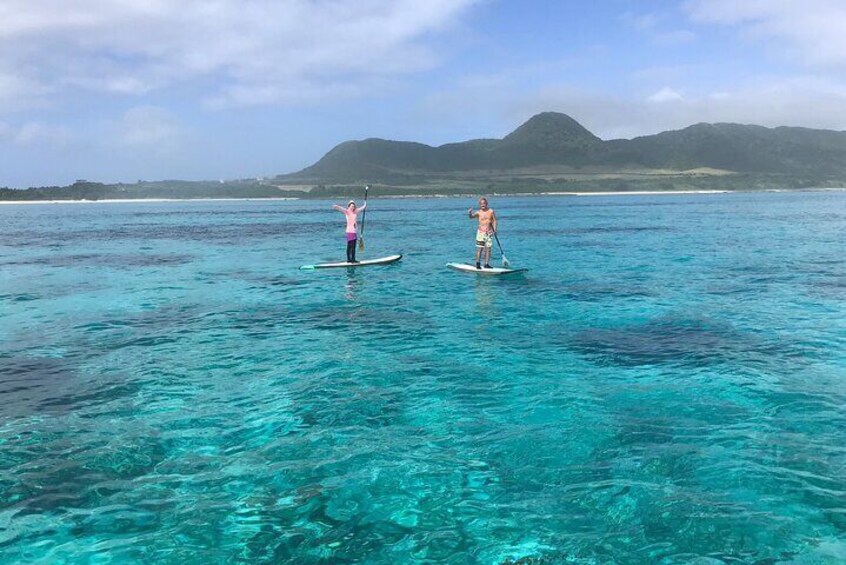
(26, 382)
(39, 385)
(284, 282)
(224, 234)
(112, 260)
(688, 341)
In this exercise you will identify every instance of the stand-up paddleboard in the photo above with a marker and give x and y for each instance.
(493, 271)
(367, 263)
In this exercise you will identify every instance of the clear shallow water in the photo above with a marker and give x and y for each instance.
(666, 385)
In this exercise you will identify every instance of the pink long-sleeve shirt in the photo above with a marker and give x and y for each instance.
(352, 217)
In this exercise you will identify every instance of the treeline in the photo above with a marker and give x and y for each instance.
(84, 190)
(186, 190)
(517, 185)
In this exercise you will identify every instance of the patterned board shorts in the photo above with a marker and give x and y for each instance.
(484, 239)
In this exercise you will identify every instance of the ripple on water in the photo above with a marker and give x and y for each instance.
(22, 297)
(645, 399)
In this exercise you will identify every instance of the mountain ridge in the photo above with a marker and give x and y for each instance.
(552, 138)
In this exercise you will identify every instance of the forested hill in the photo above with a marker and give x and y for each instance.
(556, 139)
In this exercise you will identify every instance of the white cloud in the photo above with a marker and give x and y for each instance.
(812, 29)
(655, 26)
(275, 49)
(642, 22)
(675, 37)
(38, 133)
(150, 127)
(17, 92)
(666, 94)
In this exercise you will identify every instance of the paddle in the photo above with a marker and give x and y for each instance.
(363, 214)
(505, 262)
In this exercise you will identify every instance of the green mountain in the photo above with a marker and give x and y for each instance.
(742, 149)
(549, 140)
(551, 130)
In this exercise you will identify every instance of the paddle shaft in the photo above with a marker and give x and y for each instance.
(363, 215)
(504, 258)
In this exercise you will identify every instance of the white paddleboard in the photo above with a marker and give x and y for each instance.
(493, 271)
(366, 263)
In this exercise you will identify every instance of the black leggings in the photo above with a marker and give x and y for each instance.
(351, 251)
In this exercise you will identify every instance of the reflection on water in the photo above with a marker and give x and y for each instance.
(485, 298)
(352, 283)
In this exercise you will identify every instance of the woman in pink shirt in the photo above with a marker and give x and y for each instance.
(351, 212)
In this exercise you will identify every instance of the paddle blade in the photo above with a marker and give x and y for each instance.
(505, 262)
(361, 244)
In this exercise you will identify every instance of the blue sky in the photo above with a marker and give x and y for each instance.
(122, 90)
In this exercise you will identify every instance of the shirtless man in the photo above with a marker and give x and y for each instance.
(485, 233)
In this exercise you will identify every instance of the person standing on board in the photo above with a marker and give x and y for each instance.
(351, 212)
(485, 233)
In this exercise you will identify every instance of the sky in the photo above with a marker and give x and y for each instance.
(127, 90)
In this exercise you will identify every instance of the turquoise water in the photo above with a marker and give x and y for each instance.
(666, 385)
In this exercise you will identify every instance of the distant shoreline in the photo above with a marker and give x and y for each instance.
(129, 200)
(430, 195)
(637, 192)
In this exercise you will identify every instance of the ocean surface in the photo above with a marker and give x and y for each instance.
(667, 384)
